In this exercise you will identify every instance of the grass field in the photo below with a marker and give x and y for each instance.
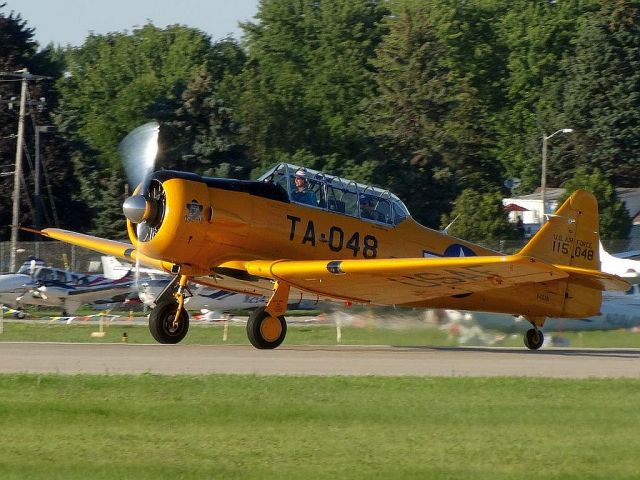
(247, 427)
(297, 334)
(251, 427)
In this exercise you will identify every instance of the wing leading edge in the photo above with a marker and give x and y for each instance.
(123, 250)
(407, 280)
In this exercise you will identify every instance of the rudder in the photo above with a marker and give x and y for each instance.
(570, 236)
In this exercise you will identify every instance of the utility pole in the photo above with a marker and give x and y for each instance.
(17, 171)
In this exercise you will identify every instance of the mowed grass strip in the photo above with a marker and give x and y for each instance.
(248, 427)
(208, 334)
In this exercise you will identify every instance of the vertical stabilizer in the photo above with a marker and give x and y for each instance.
(570, 236)
(112, 268)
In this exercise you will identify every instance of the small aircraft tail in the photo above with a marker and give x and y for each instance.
(569, 240)
(570, 236)
(111, 267)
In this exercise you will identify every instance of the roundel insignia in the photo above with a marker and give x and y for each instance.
(457, 250)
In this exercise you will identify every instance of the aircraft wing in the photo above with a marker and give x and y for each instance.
(407, 280)
(118, 249)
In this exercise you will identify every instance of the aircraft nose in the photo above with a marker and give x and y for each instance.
(136, 208)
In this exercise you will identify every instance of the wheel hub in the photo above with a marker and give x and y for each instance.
(173, 323)
(270, 329)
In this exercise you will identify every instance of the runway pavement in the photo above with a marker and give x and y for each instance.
(75, 358)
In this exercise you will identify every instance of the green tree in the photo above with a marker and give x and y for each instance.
(108, 195)
(199, 129)
(429, 119)
(306, 76)
(602, 98)
(118, 81)
(479, 217)
(112, 80)
(538, 36)
(18, 50)
(615, 223)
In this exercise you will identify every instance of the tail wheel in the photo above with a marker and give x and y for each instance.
(165, 325)
(533, 339)
(266, 331)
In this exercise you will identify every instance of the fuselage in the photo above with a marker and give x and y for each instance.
(209, 226)
(210, 221)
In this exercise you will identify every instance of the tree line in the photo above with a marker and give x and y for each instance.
(440, 101)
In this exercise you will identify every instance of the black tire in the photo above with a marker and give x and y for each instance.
(264, 331)
(533, 339)
(161, 323)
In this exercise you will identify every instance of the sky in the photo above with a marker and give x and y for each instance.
(69, 22)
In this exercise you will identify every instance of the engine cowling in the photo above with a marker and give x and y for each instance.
(168, 220)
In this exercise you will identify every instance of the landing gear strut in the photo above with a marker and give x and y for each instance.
(267, 327)
(169, 321)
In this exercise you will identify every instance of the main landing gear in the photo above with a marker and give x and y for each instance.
(534, 338)
(267, 327)
(169, 321)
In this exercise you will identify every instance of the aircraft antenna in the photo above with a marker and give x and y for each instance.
(445, 230)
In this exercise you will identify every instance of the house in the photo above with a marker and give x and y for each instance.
(528, 208)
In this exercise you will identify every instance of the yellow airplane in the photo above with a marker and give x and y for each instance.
(297, 233)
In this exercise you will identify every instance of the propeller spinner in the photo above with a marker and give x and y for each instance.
(138, 208)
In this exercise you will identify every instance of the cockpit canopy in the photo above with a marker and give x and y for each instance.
(335, 194)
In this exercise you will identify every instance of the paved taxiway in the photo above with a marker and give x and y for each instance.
(68, 358)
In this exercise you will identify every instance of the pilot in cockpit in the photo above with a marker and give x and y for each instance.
(301, 192)
(368, 209)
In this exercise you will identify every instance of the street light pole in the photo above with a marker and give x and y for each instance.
(543, 180)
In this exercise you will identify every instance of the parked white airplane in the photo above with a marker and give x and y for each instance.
(113, 269)
(619, 265)
(212, 299)
(202, 298)
(37, 284)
